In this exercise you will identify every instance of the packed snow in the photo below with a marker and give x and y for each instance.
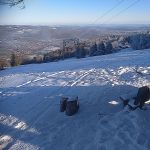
(30, 97)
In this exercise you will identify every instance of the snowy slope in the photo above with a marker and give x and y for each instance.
(30, 95)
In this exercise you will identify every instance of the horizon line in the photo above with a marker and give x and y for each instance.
(102, 25)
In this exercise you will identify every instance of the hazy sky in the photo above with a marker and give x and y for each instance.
(47, 12)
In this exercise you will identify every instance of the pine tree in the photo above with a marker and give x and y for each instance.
(140, 41)
(93, 49)
(83, 53)
(109, 48)
(3, 64)
(14, 61)
(80, 51)
(101, 48)
(77, 53)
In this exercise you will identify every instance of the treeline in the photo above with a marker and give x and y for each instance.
(140, 41)
(79, 51)
(3, 64)
(14, 60)
(95, 50)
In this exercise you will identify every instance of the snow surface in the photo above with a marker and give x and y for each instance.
(30, 95)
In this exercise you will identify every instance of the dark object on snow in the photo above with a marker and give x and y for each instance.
(142, 96)
(63, 103)
(72, 107)
(125, 102)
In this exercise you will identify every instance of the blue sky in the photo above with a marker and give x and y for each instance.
(49, 12)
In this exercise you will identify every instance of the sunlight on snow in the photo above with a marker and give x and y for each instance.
(12, 93)
(15, 123)
(113, 102)
(127, 75)
(5, 140)
(24, 146)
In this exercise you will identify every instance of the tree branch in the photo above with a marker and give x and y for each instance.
(12, 3)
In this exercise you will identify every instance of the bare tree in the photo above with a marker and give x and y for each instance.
(12, 3)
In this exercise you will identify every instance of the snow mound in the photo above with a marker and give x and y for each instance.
(30, 95)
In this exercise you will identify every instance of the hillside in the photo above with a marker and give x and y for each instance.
(30, 95)
(27, 40)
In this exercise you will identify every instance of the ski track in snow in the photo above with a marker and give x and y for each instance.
(70, 83)
(45, 110)
(39, 79)
(21, 125)
(119, 129)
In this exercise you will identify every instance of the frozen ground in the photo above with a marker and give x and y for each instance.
(30, 95)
